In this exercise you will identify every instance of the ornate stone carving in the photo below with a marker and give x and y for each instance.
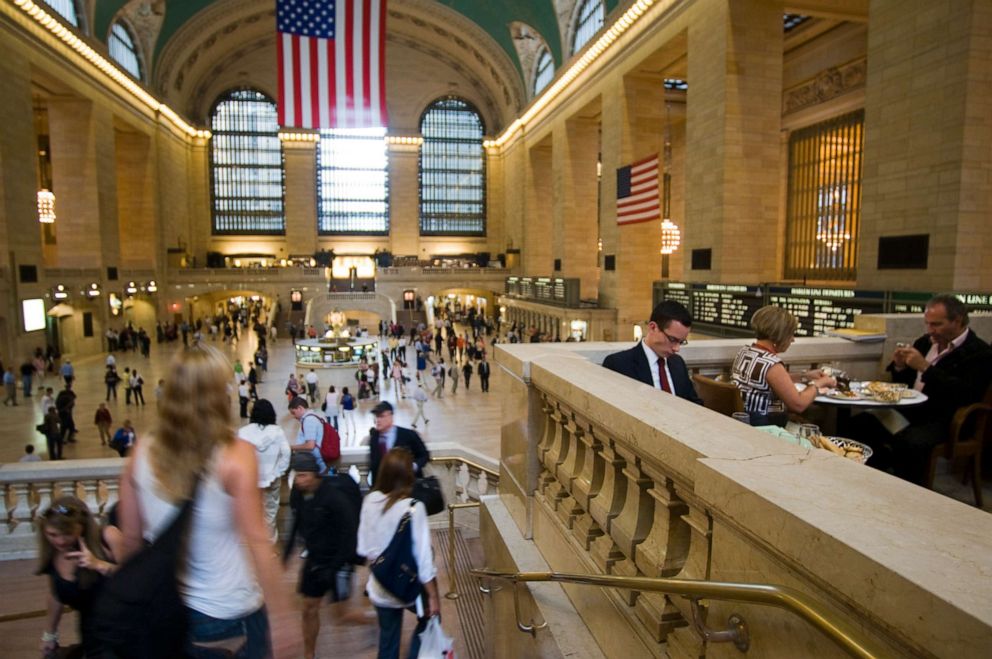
(828, 84)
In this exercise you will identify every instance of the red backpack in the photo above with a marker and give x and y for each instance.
(330, 443)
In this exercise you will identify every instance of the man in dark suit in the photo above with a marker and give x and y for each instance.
(386, 436)
(655, 360)
(952, 367)
(483, 369)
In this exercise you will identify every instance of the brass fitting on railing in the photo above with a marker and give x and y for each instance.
(453, 594)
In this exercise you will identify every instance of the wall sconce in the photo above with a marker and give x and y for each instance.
(152, 286)
(115, 303)
(46, 206)
(93, 290)
(131, 288)
(60, 293)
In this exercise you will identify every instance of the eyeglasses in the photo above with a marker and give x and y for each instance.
(673, 340)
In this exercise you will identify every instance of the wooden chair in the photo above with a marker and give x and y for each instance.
(722, 397)
(969, 429)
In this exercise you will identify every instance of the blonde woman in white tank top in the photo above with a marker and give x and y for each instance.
(230, 569)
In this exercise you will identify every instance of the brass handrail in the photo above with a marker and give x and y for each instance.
(453, 593)
(470, 463)
(784, 597)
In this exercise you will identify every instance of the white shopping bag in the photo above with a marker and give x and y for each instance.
(434, 643)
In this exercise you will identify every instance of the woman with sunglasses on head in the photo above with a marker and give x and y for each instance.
(77, 557)
(760, 374)
(230, 583)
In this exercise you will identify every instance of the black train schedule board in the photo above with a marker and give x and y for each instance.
(725, 306)
(820, 310)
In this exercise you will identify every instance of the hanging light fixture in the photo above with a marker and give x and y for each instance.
(46, 206)
(671, 237)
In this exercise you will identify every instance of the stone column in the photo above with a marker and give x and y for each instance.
(633, 129)
(732, 138)
(82, 144)
(927, 142)
(404, 199)
(301, 196)
(537, 257)
(136, 190)
(576, 197)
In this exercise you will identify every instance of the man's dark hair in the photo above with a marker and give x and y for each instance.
(29, 448)
(298, 402)
(668, 311)
(263, 413)
(954, 307)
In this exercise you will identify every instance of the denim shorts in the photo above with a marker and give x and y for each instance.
(254, 627)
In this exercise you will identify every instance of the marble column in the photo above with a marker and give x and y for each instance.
(576, 201)
(301, 196)
(404, 199)
(537, 255)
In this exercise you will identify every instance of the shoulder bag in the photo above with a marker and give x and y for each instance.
(396, 567)
(139, 612)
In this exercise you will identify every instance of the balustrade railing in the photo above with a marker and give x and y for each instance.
(622, 480)
(29, 488)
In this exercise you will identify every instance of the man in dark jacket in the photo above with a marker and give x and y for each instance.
(325, 513)
(952, 367)
(655, 360)
(386, 436)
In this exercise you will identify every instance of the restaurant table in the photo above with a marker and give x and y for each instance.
(845, 407)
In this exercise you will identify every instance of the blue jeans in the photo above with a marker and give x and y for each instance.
(254, 627)
(390, 630)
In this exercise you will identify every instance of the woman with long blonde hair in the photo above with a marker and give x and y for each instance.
(229, 563)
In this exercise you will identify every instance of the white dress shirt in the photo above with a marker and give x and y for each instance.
(653, 364)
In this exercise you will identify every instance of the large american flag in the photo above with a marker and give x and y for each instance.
(637, 192)
(332, 64)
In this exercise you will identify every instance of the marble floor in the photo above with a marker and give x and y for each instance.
(470, 417)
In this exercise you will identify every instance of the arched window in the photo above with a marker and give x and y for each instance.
(544, 72)
(122, 49)
(452, 170)
(66, 9)
(353, 182)
(588, 20)
(246, 165)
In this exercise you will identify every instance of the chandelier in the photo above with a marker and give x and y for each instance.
(46, 206)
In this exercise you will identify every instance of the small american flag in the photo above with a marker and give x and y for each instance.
(332, 64)
(637, 192)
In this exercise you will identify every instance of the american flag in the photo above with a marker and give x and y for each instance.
(637, 192)
(332, 64)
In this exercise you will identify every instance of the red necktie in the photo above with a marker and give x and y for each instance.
(663, 377)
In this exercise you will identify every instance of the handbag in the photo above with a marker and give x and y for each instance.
(434, 643)
(427, 489)
(139, 612)
(396, 568)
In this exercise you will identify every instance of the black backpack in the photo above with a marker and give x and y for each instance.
(139, 612)
(396, 567)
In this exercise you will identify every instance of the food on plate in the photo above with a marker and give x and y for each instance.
(825, 443)
(844, 395)
(909, 393)
(887, 396)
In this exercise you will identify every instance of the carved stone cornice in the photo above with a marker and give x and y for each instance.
(826, 85)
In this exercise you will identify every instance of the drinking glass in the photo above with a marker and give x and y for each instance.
(743, 417)
(808, 431)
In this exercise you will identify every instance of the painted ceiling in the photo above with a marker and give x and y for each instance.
(493, 16)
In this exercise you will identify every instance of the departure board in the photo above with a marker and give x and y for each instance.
(727, 306)
(562, 291)
(677, 291)
(820, 310)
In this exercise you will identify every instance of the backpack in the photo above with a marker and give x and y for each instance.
(396, 568)
(330, 442)
(348, 402)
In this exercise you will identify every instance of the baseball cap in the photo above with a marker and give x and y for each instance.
(303, 461)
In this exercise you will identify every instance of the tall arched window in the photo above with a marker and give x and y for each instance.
(452, 170)
(66, 9)
(122, 49)
(246, 165)
(353, 182)
(544, 72)
(588, 20)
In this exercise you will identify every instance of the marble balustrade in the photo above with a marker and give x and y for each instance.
(602, 474)
(29, 488)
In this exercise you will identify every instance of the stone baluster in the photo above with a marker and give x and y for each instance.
(43, 489)
(19, 512)
(568, 509)
(462, 477)
(112, 489)
(91, 496)
(482, 484)
(633, 524)
(552, 440)
(607, 504)
(586, 485)
(684, 642)
(63, 489)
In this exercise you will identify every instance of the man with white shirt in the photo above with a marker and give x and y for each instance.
(385, 436)
(312, 381)
(655, 360)
(952, 367)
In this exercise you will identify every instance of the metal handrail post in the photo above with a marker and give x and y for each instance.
(452, 593)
